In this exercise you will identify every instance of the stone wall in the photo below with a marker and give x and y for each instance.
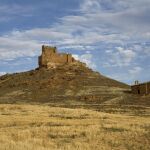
(142, 89)
(51, 58)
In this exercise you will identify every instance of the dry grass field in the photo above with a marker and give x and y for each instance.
(42, 127)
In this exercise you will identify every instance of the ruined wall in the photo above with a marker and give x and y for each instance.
(135, 89)
(141, 88)
(148, 87)
(48, 50)
(50, 57)
(59, 58)
(47, 54)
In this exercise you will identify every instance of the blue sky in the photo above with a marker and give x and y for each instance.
(111, 36)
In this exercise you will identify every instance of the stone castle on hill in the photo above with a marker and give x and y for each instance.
(50, 58)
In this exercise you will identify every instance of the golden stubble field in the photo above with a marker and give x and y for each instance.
(41, 127)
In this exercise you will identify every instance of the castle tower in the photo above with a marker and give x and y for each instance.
(47, 53)
(51, 59)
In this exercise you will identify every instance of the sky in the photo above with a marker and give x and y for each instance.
(111, 36)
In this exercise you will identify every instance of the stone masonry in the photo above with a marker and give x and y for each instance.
(50, 58)
(142, 88)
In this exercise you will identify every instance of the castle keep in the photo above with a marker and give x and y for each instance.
(50, 58)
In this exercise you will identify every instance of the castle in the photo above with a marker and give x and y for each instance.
(50, 58)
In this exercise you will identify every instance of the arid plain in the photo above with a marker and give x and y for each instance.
(43, 127)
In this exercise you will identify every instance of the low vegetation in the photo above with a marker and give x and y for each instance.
(43, 127)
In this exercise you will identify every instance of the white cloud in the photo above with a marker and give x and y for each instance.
(86, 58)
(9, 12)
(120, 57)
(81, 31)
(135, 71)
(90, 5)
(2, 73)
(129, 16)
(127, 55)
(11, 48)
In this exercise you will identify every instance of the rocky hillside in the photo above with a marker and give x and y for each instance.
(60, 79)
(70, 82)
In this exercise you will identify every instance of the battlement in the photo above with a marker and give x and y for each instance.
(50, 58)
(49, 49)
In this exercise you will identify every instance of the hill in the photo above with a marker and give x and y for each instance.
(40, 112)
(60, 79)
